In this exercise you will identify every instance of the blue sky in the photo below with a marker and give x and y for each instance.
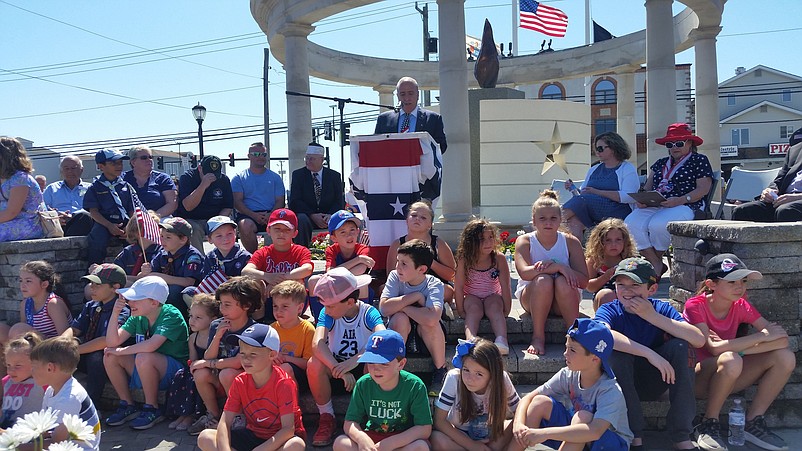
(168, 56)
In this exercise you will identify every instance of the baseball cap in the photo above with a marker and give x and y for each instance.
(729, 267)
(149, 287)
(107, 273)
(215, 222)
(109, 154)
(283, 216)
(177, 225)
(315, 149)
(636, 268)
(383, 346)
(341, 217)
(211, 165)
(258, 335)
(596, 338)
(337, 283)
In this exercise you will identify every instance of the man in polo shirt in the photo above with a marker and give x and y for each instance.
(67, 197)
(203, 193)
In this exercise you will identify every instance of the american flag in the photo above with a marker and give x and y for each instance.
(210, 283)
(148, 227)
(544, 19)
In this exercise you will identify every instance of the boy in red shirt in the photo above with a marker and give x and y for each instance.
(265, 394)
(280, 261)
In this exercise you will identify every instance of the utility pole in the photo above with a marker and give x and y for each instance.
(427, 100)
(265, 72)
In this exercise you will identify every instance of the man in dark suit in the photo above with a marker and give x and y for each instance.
(411, 118)
(315, 201)
(782, 200)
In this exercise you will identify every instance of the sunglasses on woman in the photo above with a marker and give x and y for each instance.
(145, 157)
(677, 144)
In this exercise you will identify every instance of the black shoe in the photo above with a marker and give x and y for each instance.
(438, 377)
(707, 435)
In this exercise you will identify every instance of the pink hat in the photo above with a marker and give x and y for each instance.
(335, 285)
(679, 132)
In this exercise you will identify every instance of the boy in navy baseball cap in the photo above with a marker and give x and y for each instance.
(264, 393)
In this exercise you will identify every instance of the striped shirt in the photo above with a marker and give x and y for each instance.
(41, 320)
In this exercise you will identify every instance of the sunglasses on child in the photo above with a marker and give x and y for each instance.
(677, 144)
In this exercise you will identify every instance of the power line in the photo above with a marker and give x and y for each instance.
(122, 42)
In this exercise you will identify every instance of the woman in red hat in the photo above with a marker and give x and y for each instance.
(684, 178)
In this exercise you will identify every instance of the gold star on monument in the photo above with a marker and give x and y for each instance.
(555, 149)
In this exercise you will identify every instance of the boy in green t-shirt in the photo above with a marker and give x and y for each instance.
(160, 351)
(388, 405)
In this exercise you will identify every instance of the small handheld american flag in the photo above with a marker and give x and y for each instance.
(212, 281)
(148, 227)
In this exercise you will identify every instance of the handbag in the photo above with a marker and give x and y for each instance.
(51, 224)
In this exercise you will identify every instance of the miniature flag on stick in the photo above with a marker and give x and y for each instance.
(544, 19)
(148, 227)
(212, 281)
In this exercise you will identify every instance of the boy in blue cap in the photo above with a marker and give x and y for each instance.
(388, 405)
(345, 251)
(596, 416)
(109, 201)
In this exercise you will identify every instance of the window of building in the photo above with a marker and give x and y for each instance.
(740, 136)
(553, 92)
(603, 126)
(786, 95)
(786, 131)
(730, 99)
(605, 92)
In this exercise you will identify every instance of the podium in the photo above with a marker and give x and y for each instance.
(389, 173)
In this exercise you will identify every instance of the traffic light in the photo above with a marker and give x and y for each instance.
(160, 163)
(193, 161)
(345, 134)
(231, 159)
(328, 131)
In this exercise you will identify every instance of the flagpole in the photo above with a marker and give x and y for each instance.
(514, 4)
(587, 42)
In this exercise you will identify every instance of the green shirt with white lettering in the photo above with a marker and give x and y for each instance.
(396, 410)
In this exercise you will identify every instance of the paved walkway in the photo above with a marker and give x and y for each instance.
(160, 438)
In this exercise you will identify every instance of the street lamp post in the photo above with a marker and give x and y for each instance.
(199, 111)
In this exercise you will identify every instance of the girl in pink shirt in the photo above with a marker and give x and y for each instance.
(729, 363)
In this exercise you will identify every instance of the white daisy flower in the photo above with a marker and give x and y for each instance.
(64, 446)
(77, 428)
(37, 423)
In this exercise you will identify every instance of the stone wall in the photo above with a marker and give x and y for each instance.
(773, 249)
(67, 255)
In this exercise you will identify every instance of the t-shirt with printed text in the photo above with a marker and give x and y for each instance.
(169, 324)
(390, 411)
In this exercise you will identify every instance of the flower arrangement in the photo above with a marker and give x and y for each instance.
(34, 426)
(318, 246)
(508, 241)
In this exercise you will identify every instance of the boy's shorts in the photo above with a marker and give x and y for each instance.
(560, 416)
(173, 366)
(300, 377)
(246, 440)
(259, 227)
(379, 436)
(415, 344)
(338, 385)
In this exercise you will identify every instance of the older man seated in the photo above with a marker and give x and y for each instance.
(316, 192)
(782, 200)
(67, 197)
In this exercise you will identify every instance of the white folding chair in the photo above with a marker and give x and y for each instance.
(559, 186)
(745, 185)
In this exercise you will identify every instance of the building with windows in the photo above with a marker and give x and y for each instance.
(759, 109)
(604, 99)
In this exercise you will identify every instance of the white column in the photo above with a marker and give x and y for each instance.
(299, 108)
(456, 190)
(625, 107)
(707, 113)
(661, 82)
(385, 96)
